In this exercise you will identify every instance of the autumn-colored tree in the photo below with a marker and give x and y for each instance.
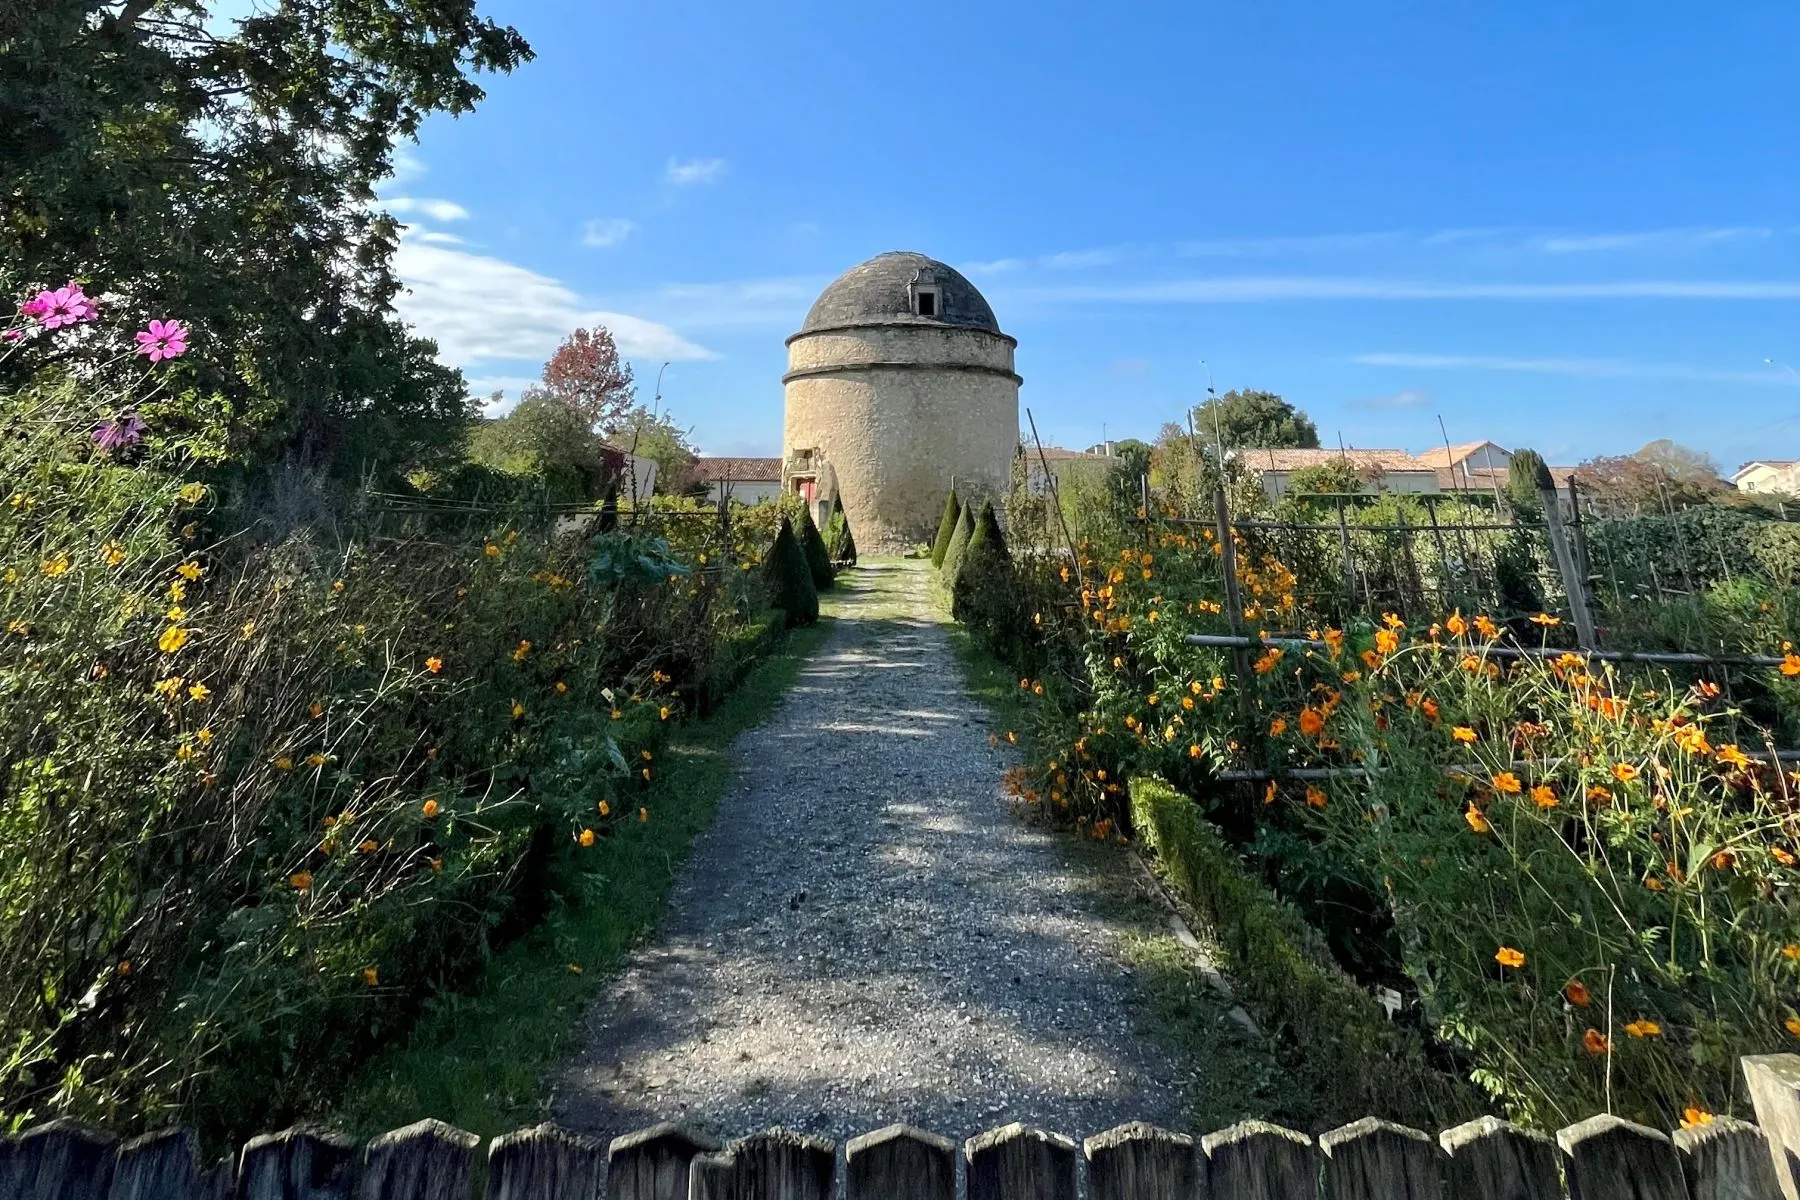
(587, 374)
(1661, 475)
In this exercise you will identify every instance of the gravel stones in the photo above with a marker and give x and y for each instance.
(868, 934)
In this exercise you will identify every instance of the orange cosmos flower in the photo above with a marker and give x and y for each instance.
(1477, 821)
(1387, 641)
(1487, 628)
(1464, 734)
(1508, 783)
(1732, 756)
(1577, 993)
(1643, 1027)
(434, 664)
(1269, 793)
(371, 976)
(1546, 620)
(1455, 623)
(1315, 797)
(430, 808)
(1693, 1118)
(1624, 772)
(1790, 663)
(1595, 1042)
(1792, 1025)
(1312, 721)
(1506, 956)
(585, 837)
(301, 881)
(1544, 796)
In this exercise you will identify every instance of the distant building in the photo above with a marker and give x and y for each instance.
(1380, 470)
(1768, 475)
(1472, 466)
(744, 480)
(1062, 464)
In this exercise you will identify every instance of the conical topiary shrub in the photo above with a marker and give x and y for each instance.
(946, 529)
(789, 579)
(988, 533)
(959, 544)
(818, 559)
(847, 551)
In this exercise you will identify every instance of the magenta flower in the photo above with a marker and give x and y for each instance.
(164, 339)
(65, 306)
(118, 432)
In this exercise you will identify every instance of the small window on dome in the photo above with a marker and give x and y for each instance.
(925, 302)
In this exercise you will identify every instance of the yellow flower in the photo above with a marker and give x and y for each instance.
(371, 976)
(300, 881)
(1790, 663)
(1477, 820)
(1464, 734)
(368, 846)
(1693, 1118)
(1267, 661)
(1386, 641)
(284, 763)
(524, 648)
(605, 809)
(562, 689)
(586, 838)
(112, 554)
(249, 628)
(1643, 1027)
(190, 571)
(1544, 796)
(518, 710)
(168, 687)
(1732, 756)
(192, 493)
(434, 664)
(199, 693)
(430, 808)
(315, 759)
(1624, 772)
(1508, 783)
(1506, 956)
(663, 713)
(1546, 620)
(491, 550)
(173, 638)
(55, 566)
(1792, 1025)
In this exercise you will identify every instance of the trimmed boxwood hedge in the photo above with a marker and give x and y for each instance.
(790, 581)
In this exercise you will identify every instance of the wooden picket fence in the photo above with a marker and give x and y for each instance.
(1602, 1158)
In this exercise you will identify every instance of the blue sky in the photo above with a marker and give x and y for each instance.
(1573, 227)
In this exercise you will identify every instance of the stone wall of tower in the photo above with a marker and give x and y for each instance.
(900, 411)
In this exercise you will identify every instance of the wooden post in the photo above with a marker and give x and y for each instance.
(297, 1164)
(1141, 1162)
(1437, 536)
(1378, 1160)
(713, 1177)
(425, 1161)
(1726, 1159)
(1017, 1162)
(652, 1164)
(1491, 1159)
(61, 1158)
(1609, 1158)
(1774, 1084)
(1584, 561)
(1573, 582)
(547, 1162)
(1254, 1160)
(166, 1166)
(899, 1163)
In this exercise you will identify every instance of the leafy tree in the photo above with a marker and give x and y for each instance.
(1658, 475)
(790, 582)
(1523, 477)
(946, 529)
(587, 374)
(1242, 419)
(644, 434)
(221, 172)
(1338, 475)
(543, 437)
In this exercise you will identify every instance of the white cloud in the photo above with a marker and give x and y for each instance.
(606, 231)
(696, 170)
(509, 387)
(478, 309)
(435, 237)
(405, 165)
(1306, 244)
(1674, 239)
(1587, 368)
(1398, 400)
(997, 266)
(775, 303)
(1264, 289)
(1063, 261)
(437, 210)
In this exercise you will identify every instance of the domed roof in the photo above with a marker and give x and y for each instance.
(880, 291)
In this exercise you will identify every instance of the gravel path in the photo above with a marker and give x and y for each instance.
(868, 934)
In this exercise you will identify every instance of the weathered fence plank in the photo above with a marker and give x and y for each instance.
(545, 1163)
(1018, 1162)
(166, 1166)
(297, 1164)
(1726, 1159)
(1141, 1162)
(900, 1163)
(777, 1165)
(1372, 1159)
(58, 1160)
(1491, 1159)
(428, 1160)
(1774, 1082)
(652, 1164)
(1254, 1160)
(1609, 1158)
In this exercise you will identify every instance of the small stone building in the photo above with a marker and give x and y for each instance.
(899, 385)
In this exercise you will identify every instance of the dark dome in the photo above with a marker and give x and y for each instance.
(877, 292)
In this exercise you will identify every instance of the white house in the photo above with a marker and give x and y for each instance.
(745, 480)
(1768, 475)
(1380, 470)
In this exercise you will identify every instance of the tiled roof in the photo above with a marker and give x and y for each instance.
(1452, 455)
(737, 470)
(1362, 460)
(1058, 454)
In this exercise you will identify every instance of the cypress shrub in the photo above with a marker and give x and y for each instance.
(981, 594)
(790, 581)
(609, 511)
(946, 529)
(988, 530)
(818, 559)
(838, 542)
(959, 544)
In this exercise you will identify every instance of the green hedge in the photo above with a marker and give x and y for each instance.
(1333, 1035)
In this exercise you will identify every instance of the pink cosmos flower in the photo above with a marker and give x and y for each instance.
(65, 306)
(119, 432)
(164, 339)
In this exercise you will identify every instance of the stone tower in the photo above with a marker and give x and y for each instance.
(898, 384)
